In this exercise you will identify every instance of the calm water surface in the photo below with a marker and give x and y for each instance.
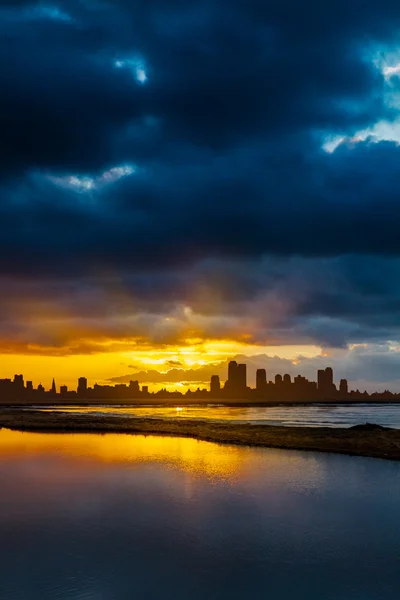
(119, 517)
(310, 416)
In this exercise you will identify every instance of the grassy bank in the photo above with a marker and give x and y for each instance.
(360, 441)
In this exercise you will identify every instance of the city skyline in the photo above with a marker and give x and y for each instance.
(281, 388)
(175, 374)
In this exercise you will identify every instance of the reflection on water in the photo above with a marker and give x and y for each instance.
(92, 450)
(115, 517)
(315, 415)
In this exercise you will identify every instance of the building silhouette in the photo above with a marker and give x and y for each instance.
(326, 387)
(82, 386)
(343, 388)
(236, 384)
(19, 382)
(235, 390)
(242, 376)
(215, 385)
(261, 380)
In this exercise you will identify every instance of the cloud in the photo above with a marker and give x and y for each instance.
(228, 168)
(163, 174)
(327, 302)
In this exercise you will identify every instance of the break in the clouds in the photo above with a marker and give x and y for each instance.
(203, 170)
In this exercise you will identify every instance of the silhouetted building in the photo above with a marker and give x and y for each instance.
(329, 376)
(261, 380)
(236, 384)
(321, 379)
(6, 389)
(215, 386)
(326, 388)
(232, 372)
(134, 389)
(283, 390)
(343, 387)
(82, 386)
(242, 376)
(19, 382)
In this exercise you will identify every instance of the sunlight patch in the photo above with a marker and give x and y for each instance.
(381, 131)
(85, 184)
(136, 65)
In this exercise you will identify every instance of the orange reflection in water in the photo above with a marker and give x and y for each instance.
(186, 454)
(197, 458)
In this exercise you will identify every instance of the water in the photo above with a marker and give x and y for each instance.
(315, 415)
(118, 517)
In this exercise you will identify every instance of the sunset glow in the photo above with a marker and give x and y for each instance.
(101, 367)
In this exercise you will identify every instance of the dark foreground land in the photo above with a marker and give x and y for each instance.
(362, 440)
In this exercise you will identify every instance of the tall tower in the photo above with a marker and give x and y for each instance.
(242, 376)
(232, 373)
(326, 387)
(53, 388)
(321, 380)
(344, 387)
(82, 386)
(261, 380)
(19, 382)
(215, 386)
(329, 377)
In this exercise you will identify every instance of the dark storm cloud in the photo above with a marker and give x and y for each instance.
(232, 207)
(213, 81)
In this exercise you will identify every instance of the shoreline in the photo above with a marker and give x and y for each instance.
(365, 440)
(195, 404)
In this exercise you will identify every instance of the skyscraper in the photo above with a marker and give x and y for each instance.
(261, 380)
(242, 376)
(19, 382)
(215, 385)
(82, 386)
(232, 372)
(343, 387)
(134, 389)
(326, 387)
(329, 376)
(53, 388)
(321, 379)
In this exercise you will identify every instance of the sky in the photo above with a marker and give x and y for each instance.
(186, 182)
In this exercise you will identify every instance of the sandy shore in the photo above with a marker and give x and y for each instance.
(360, 441)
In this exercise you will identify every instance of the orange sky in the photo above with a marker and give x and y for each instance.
(99, 367)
